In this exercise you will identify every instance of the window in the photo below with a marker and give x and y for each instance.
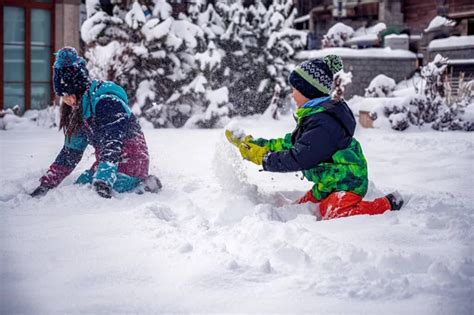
(26, 40)
(14, 57)
(40, 58)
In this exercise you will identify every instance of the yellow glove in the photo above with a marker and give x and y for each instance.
(236, 140)
(252, 152)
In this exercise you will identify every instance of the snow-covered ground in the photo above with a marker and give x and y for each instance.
(222, 237)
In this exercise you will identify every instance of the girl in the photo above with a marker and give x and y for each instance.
(97, 113)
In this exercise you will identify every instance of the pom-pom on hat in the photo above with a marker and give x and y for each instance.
(70, 76)
(313, 78)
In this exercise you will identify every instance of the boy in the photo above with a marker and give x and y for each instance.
(322, 146)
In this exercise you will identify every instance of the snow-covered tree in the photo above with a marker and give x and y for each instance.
(181, 63)
(259, 44)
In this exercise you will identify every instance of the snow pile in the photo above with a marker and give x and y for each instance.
(438, 22)
(222, 237)
(340, 35)
(47, 118)
(367, 35)
(380, 86)
(337, 35)
(452, 42)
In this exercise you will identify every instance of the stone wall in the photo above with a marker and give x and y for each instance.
(365, 69)
(452, 52)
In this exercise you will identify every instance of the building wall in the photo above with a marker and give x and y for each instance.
(418, 14)
(67, 20)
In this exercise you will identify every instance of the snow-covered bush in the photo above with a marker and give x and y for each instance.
(178, 63)
(381, 86)
(431, 104)
(11, 119)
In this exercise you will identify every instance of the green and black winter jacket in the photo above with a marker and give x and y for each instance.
(322, 147)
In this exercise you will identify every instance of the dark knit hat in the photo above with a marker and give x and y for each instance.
(70, 75)
(313, 78)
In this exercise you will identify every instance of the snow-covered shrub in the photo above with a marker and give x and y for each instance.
(381, 86)
(337, 35)
(431, 104)
(399, 121)
(10, 118)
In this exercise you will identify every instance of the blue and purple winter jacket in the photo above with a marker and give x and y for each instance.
(111, 128)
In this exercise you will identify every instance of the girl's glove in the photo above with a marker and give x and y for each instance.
(40, 191)
(252, 152)
(103, 189)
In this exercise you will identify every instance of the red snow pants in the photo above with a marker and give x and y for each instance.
(343, 204)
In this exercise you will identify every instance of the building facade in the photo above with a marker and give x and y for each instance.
(317, 16)
(32, 30)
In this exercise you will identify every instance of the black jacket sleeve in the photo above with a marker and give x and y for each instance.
(318, 141)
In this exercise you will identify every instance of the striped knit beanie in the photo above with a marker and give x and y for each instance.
(70, 76)
(313, 78)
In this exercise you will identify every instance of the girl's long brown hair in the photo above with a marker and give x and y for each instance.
(71, 118)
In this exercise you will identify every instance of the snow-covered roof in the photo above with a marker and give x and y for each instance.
(451, 42)
(356, 53)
